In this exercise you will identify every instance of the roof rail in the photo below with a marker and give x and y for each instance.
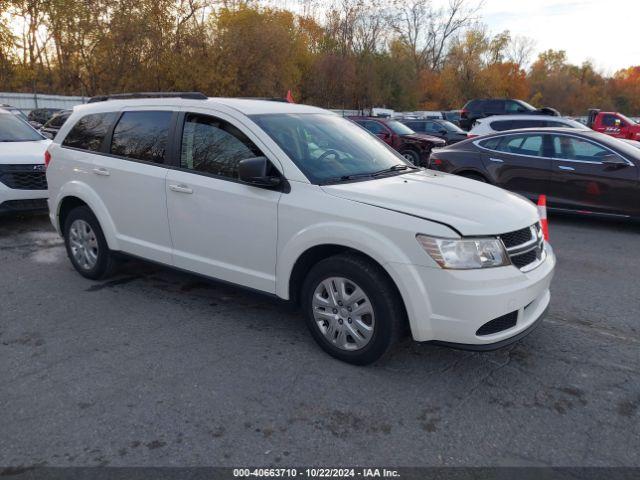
(125, 96)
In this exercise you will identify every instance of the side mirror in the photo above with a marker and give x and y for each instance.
(613, 162)
(254, 172)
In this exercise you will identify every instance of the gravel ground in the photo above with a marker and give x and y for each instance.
(155, 367)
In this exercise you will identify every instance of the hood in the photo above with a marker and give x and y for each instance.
(23, 152)
(469, 206)
(422, 137)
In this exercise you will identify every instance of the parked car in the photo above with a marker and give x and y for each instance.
(23, 185)
(580, 171)
(50, 129)
(437, 128)
(502, 123)
(41, 115)
(487, 107)
(614, 124)
(452, 116)
(415, 147)
(300, 203)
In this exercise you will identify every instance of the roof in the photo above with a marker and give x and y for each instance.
(523, 116)
(242, 105)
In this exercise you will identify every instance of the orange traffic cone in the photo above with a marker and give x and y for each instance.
(289, 97)
(542, 212)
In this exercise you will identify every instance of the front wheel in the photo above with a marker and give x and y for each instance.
(412, 156)
(352, 308)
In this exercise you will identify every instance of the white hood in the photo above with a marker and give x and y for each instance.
(469, 206)
(23, 152)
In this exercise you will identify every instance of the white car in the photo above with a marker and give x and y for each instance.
(501, 123)
(299, 203)
(23, 184)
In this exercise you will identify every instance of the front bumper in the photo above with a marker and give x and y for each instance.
(449, 306)
(16, 200)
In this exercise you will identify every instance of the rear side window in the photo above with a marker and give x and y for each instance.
(214, 146)
(88, 133)
(142, 136)
(530, 145)
(502, 125)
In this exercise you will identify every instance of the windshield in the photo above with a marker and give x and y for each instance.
(399, 128)
(451, 127)
(626, 119)
(328, 148)
(14, 130)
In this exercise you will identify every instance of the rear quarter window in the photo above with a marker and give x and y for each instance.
(89, 132)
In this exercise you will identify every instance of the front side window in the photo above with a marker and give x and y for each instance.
(14, 130)
(572, 148)
(142, 136)
(530, 145)
(327, 147)
(374, 127)
(214, 146)
(609, 120)
(88, 133)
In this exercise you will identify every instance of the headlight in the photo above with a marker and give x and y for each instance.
(465, 254)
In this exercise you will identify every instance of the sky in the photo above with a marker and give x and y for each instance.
(607, 32)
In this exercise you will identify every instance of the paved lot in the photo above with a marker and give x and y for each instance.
(155, 367)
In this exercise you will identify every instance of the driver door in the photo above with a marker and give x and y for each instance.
(220, 227)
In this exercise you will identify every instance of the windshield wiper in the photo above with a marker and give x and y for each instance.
(395, 168)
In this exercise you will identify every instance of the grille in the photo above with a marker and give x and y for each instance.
(499, 324)
(513, 239)
(24, 177)
(525, 247)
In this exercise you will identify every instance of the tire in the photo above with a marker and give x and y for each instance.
(362, 340)
(412, 156)
(86, 246)
(473, 176)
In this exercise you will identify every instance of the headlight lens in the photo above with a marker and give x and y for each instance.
(465, 254)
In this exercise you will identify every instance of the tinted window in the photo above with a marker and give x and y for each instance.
(374, 127)
(609, 120)
(491, 144)
(89, 132)
(142, 136)
(475, 106)
(416, 126)
(515, 107)
(573, 148)
(502, 125)
(493, 106)
(522, 145)
(58, 120)
(214, 146)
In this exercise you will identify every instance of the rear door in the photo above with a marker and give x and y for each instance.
(518, 162)
(221, 227)
(582, 180)
(130, 180)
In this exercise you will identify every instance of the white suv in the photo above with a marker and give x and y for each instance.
(501, 123)
(23, 184)
(297, 202)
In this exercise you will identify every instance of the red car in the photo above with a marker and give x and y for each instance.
(614, 124)
(415, 147)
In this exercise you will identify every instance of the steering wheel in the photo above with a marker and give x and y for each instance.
(326, 153)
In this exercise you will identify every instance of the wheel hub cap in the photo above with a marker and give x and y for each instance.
(343, 313)
(84, 244)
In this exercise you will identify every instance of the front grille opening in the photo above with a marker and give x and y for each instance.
(499, 324)
(25, 180)
(513, 239)
(525, 259)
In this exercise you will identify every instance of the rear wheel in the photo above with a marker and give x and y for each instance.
(86, 246)
(352, 309)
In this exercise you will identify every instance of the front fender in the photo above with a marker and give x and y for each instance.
(85, 193)
(357, 237)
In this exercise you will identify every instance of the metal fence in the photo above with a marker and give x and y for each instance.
(29, 101)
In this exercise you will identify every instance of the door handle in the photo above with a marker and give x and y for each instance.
(180, 188)
(101, 171)
(497, 160)
(563, 167)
